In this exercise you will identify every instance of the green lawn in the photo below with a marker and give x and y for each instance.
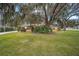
(60, 43)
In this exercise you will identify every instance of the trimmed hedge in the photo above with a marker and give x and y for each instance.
(42, 29)
(6, 29)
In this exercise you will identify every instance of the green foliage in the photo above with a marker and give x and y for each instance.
(71, 23)
(6, 29)
(22, 29)
(1, 29)
(42, 29)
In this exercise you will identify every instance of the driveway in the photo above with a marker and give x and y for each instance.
(1, 33)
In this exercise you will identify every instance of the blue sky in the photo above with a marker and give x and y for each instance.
(17, 8)
(74, 17)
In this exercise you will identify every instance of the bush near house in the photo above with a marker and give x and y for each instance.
(28, 28)
(42, 29)
(23, 29)
(6, 29)
(56, 29)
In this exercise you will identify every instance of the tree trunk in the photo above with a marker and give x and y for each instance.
(46, 21)
(64, 28)
(46, 17)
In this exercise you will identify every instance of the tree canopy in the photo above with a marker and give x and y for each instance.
(38, 13)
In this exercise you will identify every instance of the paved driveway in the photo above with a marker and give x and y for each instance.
(1, 33)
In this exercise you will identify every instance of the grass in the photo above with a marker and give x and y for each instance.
(31, 44)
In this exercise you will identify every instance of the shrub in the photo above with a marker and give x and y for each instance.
(1, 29)
(23, 29)
(6, 29)
(42, 29)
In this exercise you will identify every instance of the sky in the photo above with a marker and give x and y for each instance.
(74, 17)
(17, 8)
